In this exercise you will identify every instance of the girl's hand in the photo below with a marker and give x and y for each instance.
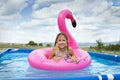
(56, 59)
(73, 58)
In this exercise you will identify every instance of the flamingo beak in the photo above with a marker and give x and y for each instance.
(74, 24)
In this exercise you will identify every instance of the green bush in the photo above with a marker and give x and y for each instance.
(48, 45)
(32, 43)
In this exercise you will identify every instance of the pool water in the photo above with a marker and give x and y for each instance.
(16, 66)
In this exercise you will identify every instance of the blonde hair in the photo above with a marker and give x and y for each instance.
(62, 33)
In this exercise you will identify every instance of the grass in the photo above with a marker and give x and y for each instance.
(103, 51)
(3, 46)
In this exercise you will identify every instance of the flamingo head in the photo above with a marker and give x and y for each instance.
(74, 23)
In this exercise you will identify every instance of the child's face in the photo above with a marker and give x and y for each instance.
(61, 41)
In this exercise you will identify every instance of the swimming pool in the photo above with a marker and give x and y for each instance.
(14, 65)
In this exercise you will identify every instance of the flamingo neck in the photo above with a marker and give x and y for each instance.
(62, 27)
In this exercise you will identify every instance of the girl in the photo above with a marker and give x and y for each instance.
(61, 49)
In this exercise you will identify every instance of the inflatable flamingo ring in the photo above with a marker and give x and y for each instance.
(39, 57)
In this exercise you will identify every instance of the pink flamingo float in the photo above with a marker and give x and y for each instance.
(39, 57)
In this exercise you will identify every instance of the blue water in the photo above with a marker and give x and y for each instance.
(15, 65)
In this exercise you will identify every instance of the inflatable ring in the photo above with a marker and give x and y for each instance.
(39, 57)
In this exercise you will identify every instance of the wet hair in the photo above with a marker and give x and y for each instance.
(62, 33)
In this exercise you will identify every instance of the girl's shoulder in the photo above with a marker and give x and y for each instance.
(54, 48)
(70, 49)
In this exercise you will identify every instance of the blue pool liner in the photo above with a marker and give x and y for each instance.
(105, 56)
(87, 77)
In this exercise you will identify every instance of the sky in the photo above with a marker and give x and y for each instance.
(24, 20)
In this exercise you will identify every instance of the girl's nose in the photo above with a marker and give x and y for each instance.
(62, 41)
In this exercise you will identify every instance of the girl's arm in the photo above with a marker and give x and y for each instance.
(52, 54)
(71, 52)
(72, 55)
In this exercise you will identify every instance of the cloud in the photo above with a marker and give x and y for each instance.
(47, 3)
(10, 9)
(97, 19)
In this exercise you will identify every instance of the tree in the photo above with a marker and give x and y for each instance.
(40, 44)
(32, 43)
(100, 45)
(48, 45)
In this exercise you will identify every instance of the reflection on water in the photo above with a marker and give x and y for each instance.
(32, 72)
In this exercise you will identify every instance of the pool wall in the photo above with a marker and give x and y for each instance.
(105, 56)
(89, 77)
(86, 77)
(15, 50)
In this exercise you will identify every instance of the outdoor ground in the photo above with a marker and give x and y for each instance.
(3, 46)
